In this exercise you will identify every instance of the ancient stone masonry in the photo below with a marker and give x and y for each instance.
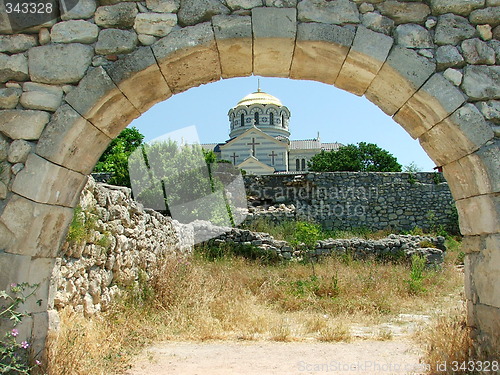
(118, 240)
(70, 85)
(396, 247)
(347, 200)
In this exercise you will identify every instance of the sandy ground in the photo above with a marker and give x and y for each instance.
(397, 356)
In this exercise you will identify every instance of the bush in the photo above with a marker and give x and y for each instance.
(14, 356)
(416, 275)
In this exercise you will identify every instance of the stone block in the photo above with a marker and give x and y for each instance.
(469, 176)
(188, 57)
(464, 132)
(17, 43)
(398, 79)
(19, 150)
(244, 4)
(413, 36)
(13, 68)
(55, 184)
(485, 32)
(23, 124)
(139, 78)
(449, 57)
(40, 96)
(155, 24)
(115, 41)
(71, 141)
(477, 52)
(274, 31)
(334, 12)
(479, 214)
(461, 7)
(43, 323)
(74, 31)
(487, 324)
(15, 268)
(83, 9)
(377, 22)
(485, 272)
(404, 12)
(59, 63)
(121, 16)
(193, 12)
(98, 100)
(281, 3)
(33, 229)
(233, 35)
(490, 16)
(490, 110)
(482, 82)
(454, 76)
(163, 6)
(452, 29)
(9, 97)
(432, 103)
(366, 56)
(4, 150)
(320, 51)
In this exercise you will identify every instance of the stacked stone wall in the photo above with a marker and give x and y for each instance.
(350, 200)
(119, 240)
(400, 247)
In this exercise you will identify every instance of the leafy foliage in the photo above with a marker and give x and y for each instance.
(115, 159)
(14, 356)
(161, 167)
(415, 282)
(363, 157)
(412, 168)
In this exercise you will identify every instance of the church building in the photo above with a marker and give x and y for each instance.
(259, 138)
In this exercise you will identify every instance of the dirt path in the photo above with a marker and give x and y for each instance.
(397, 356)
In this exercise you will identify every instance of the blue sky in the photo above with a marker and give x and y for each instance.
(338, 115)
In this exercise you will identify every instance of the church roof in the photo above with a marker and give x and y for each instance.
(259, 97)
(310, 144)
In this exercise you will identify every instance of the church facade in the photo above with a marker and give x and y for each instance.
(260, 141)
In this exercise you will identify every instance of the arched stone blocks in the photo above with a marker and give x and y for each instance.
(350, 44)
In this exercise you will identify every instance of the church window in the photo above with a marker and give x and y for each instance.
(256, 117)
(303, 164)
(297, 164)
(283, 120)
(271, 118)
(242, 119)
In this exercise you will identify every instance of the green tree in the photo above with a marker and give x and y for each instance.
(363, 157)
(167, 175)
(115, 158)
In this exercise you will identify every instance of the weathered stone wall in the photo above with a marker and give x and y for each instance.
(348, 200)
(393, 247)
(117, 240)
(432, 65)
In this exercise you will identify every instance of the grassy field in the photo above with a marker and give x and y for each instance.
(202, 297)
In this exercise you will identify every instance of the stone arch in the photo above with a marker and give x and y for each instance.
(352, 45)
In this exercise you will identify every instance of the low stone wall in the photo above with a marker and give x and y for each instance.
(392, 247)
(115, 240)
(348, 200)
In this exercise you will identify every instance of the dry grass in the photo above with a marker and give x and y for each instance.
(233, 298)
(446, 340)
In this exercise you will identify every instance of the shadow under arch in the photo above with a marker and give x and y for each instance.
(402, 83)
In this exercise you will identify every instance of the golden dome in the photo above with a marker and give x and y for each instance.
(259, 97)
